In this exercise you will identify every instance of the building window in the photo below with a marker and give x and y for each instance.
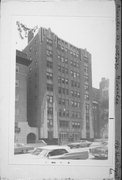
(66, 81)
(66, 60)
(87, 108)
(49, 58)
(49, 41)
(49, 64)
(17, 69)
(86, 87)
(30, 69)
(49, 47)
(49, 53)
(50, 122)
(50, 110)
(17, 83)
(63, 80)
(86, 63)
(59, 90)
(63, 69)
(49, 76)
(67, 91)
(66, 70)
(64, 124)
(63, 91)
(86, 70)
(63, 101)
(59, 80)
(75, 125)
(50, 99)
(86, 79)
(86, 97)
(49, 87)
(59, 68)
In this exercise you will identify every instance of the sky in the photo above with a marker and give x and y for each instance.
(89, 25)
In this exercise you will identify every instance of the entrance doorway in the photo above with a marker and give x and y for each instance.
(31, 138)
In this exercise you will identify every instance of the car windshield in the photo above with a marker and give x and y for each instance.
(37, 151)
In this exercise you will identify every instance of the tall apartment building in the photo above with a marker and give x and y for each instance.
(104, 106)
(22, 130)
(59, 95)
(96, 111)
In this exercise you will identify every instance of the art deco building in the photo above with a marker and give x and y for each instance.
(59, 93)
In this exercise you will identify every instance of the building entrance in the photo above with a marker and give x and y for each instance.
(31, 138)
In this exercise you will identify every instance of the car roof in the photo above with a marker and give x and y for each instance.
(53, 147)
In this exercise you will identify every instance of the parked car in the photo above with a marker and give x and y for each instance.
(58, 152)
(79, 144)
(22, 148)
(100, 152)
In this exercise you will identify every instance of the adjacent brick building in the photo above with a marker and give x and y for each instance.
(104, 106)
(96, 111)
(22, 129)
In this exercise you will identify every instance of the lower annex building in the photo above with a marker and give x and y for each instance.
(59, 89)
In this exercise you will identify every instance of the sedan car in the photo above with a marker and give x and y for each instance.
(100, 152)
(59, 152)
(22, 148)
(79, 144)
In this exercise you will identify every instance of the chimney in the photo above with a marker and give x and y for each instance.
(30, 35)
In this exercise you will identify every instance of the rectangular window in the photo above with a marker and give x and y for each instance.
(50, 111)
(50, 99)
(86, 79)
(66, 81)
(63, 69)
(49, 64)
(49, 76)
(49, 41)
(62, 59)
(85, 70)
(60, 101)
(49, 87)
(17, 83)
(63, 80)
(66, 70)
(64, 124)
(17, 69)
(86, 87)
(60, 113)
(67, 91)
(66, 60)
(75, 125)
(50, 123)
(49, 58)
(49, 53)
(59, 80)
(59, 68)
(49, 47)
(86, 97)
(59, 90)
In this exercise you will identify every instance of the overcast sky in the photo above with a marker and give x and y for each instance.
(85, 24)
